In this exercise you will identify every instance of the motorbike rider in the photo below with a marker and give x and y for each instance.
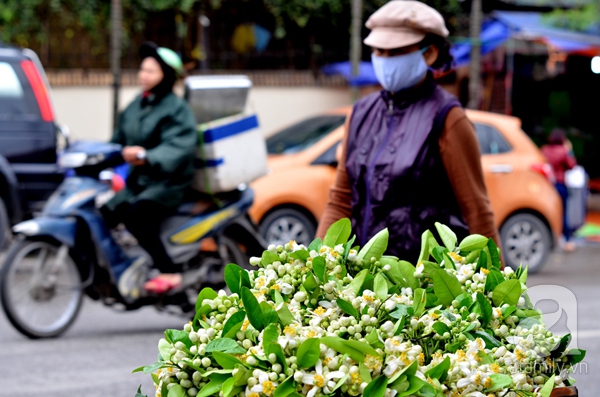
(158, 133)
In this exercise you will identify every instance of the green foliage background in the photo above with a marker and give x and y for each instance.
(47, 23)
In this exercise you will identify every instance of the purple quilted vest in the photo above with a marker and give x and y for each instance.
(395, 169)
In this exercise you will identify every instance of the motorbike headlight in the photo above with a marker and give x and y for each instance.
(72, 160)
(28, 228)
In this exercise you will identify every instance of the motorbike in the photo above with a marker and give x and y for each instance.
(67, 251)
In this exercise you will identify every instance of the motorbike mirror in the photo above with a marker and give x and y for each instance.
(65, 132)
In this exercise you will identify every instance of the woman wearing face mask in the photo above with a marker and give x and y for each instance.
(159, 138)
(410, 155)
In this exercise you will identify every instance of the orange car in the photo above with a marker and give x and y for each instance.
(302, 158)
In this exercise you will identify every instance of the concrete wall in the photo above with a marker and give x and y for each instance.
(88, 110)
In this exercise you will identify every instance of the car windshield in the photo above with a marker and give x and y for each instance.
(304, 134)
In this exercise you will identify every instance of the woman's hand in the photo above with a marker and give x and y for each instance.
(134, 155)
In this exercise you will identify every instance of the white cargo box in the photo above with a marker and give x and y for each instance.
(232, 151)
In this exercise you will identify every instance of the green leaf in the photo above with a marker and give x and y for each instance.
(529, 322)
(268, 258)
(213, 386)
(493, 279)
(310, 283)
(253, 310)
(228, 387)
(338, 233)
(358, 281)
(507, 311)
(236, 318)
(486, 309)
(464, 300)
(151, 368)
(546, 390)
(426, 246)
(164, 349)
(410, 370)
(419, 300)
(177, 391)
(377, 387)
(523, 276)
(232, 331)
(402, 273)
(575, 356)
(447, 235)
(364, 372)
(440, 328)
(495, 257)
(500, 381)
(224, 345)
(340, 345)
(340, 382)
(482, 261)
(440, 371)
(226, 361)
(285, 388)
(445, 285)
(473, 242)
(285, 315)
(175, 335)
(302, 255)
(375, 247)
(402, 310)
(415, 384)
(270, 335)
(139, 392)
(319, 268)
(438, 254)
(380, 287)
(373, 340)
(399, 326)
(315, 245)
(560, 348)
(206, 293)
(308, 353)
(490, 341)
(269, 315)
(274, 347)
(508, 291)
(235, 278)
(472, 256)
(361, 346)
(347, 308)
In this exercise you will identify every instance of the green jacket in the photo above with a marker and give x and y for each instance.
(166, 128)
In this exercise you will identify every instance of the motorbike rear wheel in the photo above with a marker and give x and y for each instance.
(40, 288)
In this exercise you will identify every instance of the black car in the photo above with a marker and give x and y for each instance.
(28, 138)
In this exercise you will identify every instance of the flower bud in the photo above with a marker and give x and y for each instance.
(298, 376)
(206, 362)
(251, 361)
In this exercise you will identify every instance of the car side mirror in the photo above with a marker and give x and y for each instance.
(65, 133)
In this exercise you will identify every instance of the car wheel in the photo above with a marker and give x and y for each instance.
(285, 224)
(525, 240)
(4, 226)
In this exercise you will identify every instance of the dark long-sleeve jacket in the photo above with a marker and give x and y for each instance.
(166, 128)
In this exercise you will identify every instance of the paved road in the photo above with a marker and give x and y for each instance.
(96, 356)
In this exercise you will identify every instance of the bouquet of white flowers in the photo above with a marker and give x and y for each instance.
(332, 320)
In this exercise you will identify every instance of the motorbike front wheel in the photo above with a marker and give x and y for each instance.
(40, 288)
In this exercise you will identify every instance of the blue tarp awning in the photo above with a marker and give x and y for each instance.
(494, 32)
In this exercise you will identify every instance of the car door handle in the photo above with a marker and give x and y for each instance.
(501, 168)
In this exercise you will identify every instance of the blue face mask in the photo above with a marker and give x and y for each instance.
(401, 71)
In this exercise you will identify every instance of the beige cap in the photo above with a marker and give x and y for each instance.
(403, 22)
